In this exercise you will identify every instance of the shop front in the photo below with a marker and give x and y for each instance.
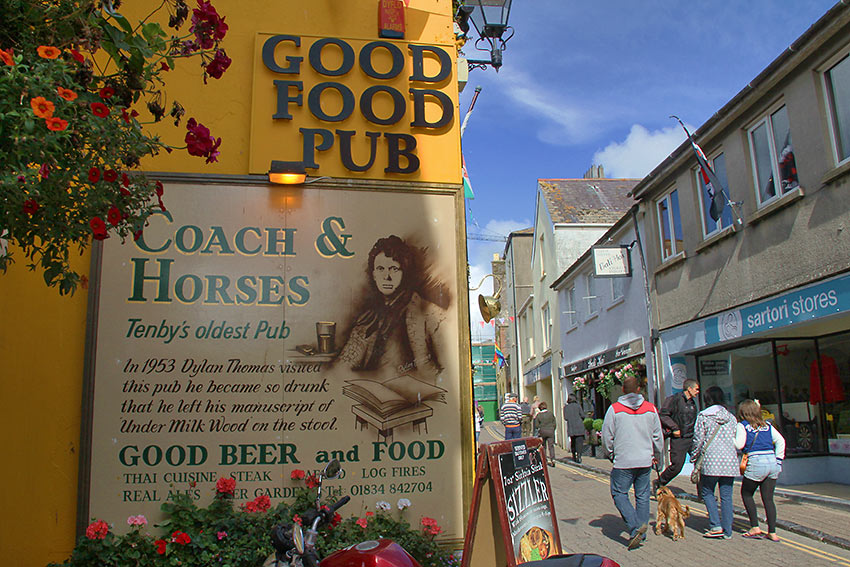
(790, 352)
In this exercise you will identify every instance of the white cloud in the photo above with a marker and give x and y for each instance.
(480, 254)
(640, 152)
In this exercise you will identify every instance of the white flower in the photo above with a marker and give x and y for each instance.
(382, 505)
(403, 503)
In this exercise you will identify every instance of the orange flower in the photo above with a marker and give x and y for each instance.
(56, 124)
(6, 56)
(42, 107)
(67, 94)
(48, 52)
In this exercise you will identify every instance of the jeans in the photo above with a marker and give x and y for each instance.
(622, 480)
(513, 432)
(762, 466)
(724, 519)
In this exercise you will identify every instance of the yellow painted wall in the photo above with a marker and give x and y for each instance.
(42, 335)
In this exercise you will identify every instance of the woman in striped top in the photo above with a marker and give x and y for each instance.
(766, 449)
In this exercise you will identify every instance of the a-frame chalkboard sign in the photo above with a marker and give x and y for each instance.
(512, 504)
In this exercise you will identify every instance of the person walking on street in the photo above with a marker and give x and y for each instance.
(535, 407)
(765, 449)
(714, 437)
(526, 417)
(544, 427)
(511, 417)
(678, 414)
(575, 427)
(632, 439)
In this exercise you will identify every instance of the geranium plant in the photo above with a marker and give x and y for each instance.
(79, 84)
(240, 536)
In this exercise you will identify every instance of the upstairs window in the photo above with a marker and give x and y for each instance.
(772, 151)
(618, 289)
(670, 225)
(546, 321)
(591, 298)
(710, 226)
(838, 99)
(572, 307)
(529, 335)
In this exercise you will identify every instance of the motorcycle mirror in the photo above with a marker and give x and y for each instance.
(332, 469)
(298, 538)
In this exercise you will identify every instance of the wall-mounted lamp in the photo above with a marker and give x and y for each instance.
(287, 172)
(490, 19)
(489, 305)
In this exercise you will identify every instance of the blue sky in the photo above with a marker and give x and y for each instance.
(594, 82)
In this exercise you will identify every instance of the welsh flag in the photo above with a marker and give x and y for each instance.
(467, 185)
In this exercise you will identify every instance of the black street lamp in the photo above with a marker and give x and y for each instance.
(490, 19)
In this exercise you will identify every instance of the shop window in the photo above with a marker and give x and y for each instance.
(710, 226)
(670, 225)
(591, 297)
(837, 80)
(834, 366)
(772, 151)
(800, 416)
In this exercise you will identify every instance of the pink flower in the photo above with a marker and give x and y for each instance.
(97, 530)
(362, 522)
(207, 25)
(220, 535)
(137, 520)
(199, 141)
(225, 486)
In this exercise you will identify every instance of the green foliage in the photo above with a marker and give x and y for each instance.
(588, 423)
(222, 534)
(72, 75)
(597, 424)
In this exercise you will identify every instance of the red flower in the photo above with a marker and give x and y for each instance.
(30, 206)
(99, 109)
(225, 485)
(312, 481)
(362, 522)
(97, 530)
(200, 143)
(137, 234)
(297, 474)
(6, 56)
(94, 175)
(55, 124)
(44, 171)
(78, 57)
(258, 504)
(42, 107)
(98, 228)
(109, 175)
(106, 93)
(67, 94)
(297, 519)
(114, 215)
(127, 116)
(160, 546)
(429, 526)
(48, 52)
(218, 65)
(181, 538)
(336, 520)
(370, 514)
(207, 25)
(125, 180)
(164, 66)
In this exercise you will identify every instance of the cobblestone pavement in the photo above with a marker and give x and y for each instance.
(588, 522)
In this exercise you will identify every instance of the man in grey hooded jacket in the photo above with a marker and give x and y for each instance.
(633, 440)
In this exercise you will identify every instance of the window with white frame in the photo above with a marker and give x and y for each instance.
(772, 151)
(529, 334)
(592, 298)
(546, 322)
(837, 79)
(710, 226)
(670, 225)
(572, 306)
(618, 288)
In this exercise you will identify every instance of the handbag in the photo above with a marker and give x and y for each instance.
(745, 458)
(695, 474)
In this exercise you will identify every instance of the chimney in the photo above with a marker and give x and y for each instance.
(595, 172)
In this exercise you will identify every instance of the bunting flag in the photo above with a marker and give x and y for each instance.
(499, 358)
(712, 184)
(467, 185)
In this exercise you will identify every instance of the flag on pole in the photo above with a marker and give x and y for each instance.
(712, 184)
(499, 358)
(467, 185)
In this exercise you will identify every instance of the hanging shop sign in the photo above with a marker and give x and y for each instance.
(612, 261)
(346, 107)
(271, 333)
(622, 352)
(391, 19)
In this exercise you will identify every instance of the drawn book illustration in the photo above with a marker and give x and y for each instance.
(394, 395)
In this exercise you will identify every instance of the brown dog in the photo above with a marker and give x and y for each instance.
(670, 514)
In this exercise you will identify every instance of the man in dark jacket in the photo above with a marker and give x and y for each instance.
(678, 415)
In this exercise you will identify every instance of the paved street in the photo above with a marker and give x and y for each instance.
(589, 522)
